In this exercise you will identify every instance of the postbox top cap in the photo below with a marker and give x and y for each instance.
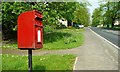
(32, 14)
(37, 11)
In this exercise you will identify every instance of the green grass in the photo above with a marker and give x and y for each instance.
(44, 62)
(70, 38)
(9, 46)
(58, 39)
(0, 37)
(0, 63)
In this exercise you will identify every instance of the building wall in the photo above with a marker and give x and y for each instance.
(117, 22)
(64, 22)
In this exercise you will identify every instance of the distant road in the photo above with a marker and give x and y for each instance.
(114, 38)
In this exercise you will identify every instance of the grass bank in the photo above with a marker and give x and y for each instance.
(64, 39)
(46, 62)
(58, 39)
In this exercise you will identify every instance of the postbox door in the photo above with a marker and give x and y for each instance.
(38, 33)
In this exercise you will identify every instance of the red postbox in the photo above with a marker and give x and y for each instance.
(30, 30)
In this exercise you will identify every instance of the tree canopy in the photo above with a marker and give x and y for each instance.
(106, 14)
(52, 11)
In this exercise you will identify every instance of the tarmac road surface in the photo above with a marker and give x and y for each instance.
(96, 54)
(109, 35)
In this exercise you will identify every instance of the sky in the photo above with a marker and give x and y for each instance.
(94, 4)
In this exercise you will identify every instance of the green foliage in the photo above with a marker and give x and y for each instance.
(10, 12)
(97, 17)
(106, 14)
(81, 14)
(44, 62)
(56, 40)
(0, 62)
(52, 11)
(64, 39)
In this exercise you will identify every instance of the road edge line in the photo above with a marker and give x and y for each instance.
(105, 39)
(75, 63)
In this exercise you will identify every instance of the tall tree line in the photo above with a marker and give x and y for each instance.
(52, 12)
(106, 14)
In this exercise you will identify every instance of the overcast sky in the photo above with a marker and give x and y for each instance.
(94, 4)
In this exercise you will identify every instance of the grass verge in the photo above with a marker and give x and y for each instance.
(58, 39)
(46, 62)
(69, 38)
(0, 63)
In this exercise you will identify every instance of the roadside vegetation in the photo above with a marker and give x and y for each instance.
(56, 35)
(57, 39)
(73, 12)
(107, 15)
(64, 39)
(0, 62)
(44, 62)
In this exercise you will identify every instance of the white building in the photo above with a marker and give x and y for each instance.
(117, 22)
(64, 22)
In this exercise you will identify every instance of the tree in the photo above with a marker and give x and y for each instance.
(113, 8)
(97, 17)
(52, 12)
(10, 12)
(108, 14)
(81, 15)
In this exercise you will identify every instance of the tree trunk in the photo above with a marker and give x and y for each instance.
(112, 26)
(113, 20)
(69, 23)
(107, 25)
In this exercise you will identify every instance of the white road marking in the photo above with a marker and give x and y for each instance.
(75, 63)
(105, 39)
(107, 50)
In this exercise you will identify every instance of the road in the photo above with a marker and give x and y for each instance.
(107, 34)
(94, 54)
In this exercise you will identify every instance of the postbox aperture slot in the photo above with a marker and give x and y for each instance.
(38, 18)
(38, 21)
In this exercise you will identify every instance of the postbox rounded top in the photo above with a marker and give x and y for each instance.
(31, 14)
(37, 11)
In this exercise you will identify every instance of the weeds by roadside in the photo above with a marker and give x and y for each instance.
(55, 40)
(44, 62)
